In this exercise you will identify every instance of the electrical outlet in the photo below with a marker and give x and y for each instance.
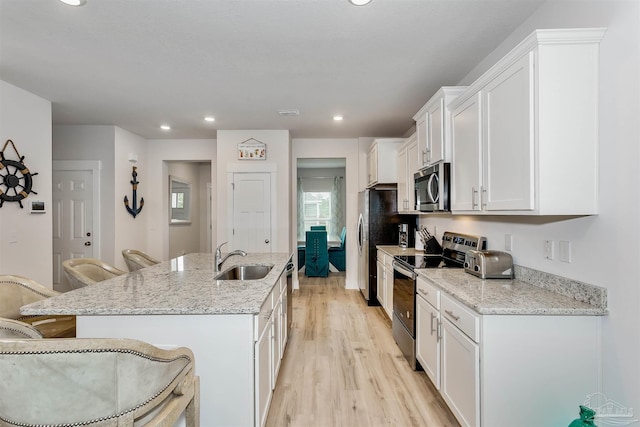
(548, 249)
(565, 251)
(508, 242)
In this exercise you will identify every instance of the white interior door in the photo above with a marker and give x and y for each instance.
(251, 217)
(73, 234)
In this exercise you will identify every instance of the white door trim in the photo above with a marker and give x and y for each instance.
(95, 166)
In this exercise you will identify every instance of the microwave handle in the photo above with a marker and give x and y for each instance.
(433, 177)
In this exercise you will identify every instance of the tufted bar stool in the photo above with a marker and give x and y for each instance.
(136, 260)
(16, 291)
(83, 272)
(96, 382)
(14, 329)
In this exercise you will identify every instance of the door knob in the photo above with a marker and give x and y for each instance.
(88, 234)
(266, 240)
(87, 243)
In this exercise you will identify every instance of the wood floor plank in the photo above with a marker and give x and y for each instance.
(343, 368)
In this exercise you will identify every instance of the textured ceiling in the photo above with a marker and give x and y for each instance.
(137, 64)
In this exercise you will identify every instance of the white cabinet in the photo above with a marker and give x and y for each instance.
(525, 135)
(433, 127)
(263, 359)
(385, 281)
(407, 165)
(428, 330)
(380, 169)
(460, 364)
(487, 369)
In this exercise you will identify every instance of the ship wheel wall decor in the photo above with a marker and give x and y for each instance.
(15, 178)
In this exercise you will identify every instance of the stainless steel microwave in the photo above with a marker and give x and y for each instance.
(432, 187)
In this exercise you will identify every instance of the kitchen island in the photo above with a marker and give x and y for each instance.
(235, 328)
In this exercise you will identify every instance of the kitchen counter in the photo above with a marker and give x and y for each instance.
(516, 297)
(183, 285)
(394, 250)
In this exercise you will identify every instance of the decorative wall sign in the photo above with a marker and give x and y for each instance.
(134, 210)
(252, 149)
(15, 178)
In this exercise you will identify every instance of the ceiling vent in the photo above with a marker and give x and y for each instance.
(290, 112)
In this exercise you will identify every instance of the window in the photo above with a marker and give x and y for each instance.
(317, 209)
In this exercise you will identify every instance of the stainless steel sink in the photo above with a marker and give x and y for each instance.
(245, 272)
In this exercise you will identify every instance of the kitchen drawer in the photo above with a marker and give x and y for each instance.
(464, 318)
(262, 319)
(429, 292)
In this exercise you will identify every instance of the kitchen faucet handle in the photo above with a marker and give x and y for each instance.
(219, 248)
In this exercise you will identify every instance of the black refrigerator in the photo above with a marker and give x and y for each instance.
(378, 222)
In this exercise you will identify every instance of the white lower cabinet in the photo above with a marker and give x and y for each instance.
(271, 326)
(385, 281)
(460, 374)
(505, 370)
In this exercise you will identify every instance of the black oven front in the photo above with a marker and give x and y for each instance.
(403, 324)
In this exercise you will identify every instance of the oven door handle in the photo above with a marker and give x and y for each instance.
(400, 269)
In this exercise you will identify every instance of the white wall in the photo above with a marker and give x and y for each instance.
(278, 158)
(130, 232)
(317, 148)
(25, 239)
(160, 151)
(605, 247)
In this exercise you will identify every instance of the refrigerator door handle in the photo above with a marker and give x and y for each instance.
(359, 233)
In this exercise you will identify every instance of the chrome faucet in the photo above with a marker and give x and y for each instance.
(220, 259)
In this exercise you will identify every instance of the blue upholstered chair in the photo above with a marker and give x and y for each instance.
(316, 254)
(337, 254)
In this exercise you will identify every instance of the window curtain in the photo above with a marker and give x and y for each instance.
(300, 222)
(337, 207)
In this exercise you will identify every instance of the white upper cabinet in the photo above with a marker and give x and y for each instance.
(407, 165)
(525, 134)
(381, 167)
(433, 127)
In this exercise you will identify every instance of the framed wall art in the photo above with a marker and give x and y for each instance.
(252, 149)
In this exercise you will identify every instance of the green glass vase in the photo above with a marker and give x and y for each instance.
(586, 418)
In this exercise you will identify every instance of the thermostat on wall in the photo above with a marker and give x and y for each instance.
(37, 207)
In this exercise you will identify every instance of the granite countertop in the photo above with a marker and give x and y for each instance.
(183, 285)
(504, 296)
(394, 250)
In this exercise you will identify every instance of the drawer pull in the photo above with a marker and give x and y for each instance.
(432, 319)
(453, 316)
(423, 292)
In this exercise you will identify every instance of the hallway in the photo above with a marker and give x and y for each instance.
(343, 368)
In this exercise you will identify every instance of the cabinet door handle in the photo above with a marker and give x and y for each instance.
(432, 319)
(439, 328)
(453, 316)
(474, 192)
(424, 157)
(483, 197)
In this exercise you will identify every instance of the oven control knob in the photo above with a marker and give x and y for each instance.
(466, 265)
(476, 268)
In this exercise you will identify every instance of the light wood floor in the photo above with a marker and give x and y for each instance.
(343, 368)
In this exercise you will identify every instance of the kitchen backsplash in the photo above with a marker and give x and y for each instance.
(591, 294)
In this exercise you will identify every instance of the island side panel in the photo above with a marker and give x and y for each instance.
(223, 347)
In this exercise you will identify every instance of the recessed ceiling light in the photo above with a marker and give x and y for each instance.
(209, 119)
(74, 2)
(359, 2)
(165, 127)
(338, 118)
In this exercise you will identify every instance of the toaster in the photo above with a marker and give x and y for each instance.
(489, 264)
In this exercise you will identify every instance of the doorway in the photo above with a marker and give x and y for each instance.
(251, 212)
(75, 214)
(321, 196)
(189, 202)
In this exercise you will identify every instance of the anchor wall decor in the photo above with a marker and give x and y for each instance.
(135, 210)
(15, 178)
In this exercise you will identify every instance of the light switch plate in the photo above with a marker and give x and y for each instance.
(548, 249)
(565, 251)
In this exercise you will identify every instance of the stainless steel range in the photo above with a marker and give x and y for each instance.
(454, 248)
